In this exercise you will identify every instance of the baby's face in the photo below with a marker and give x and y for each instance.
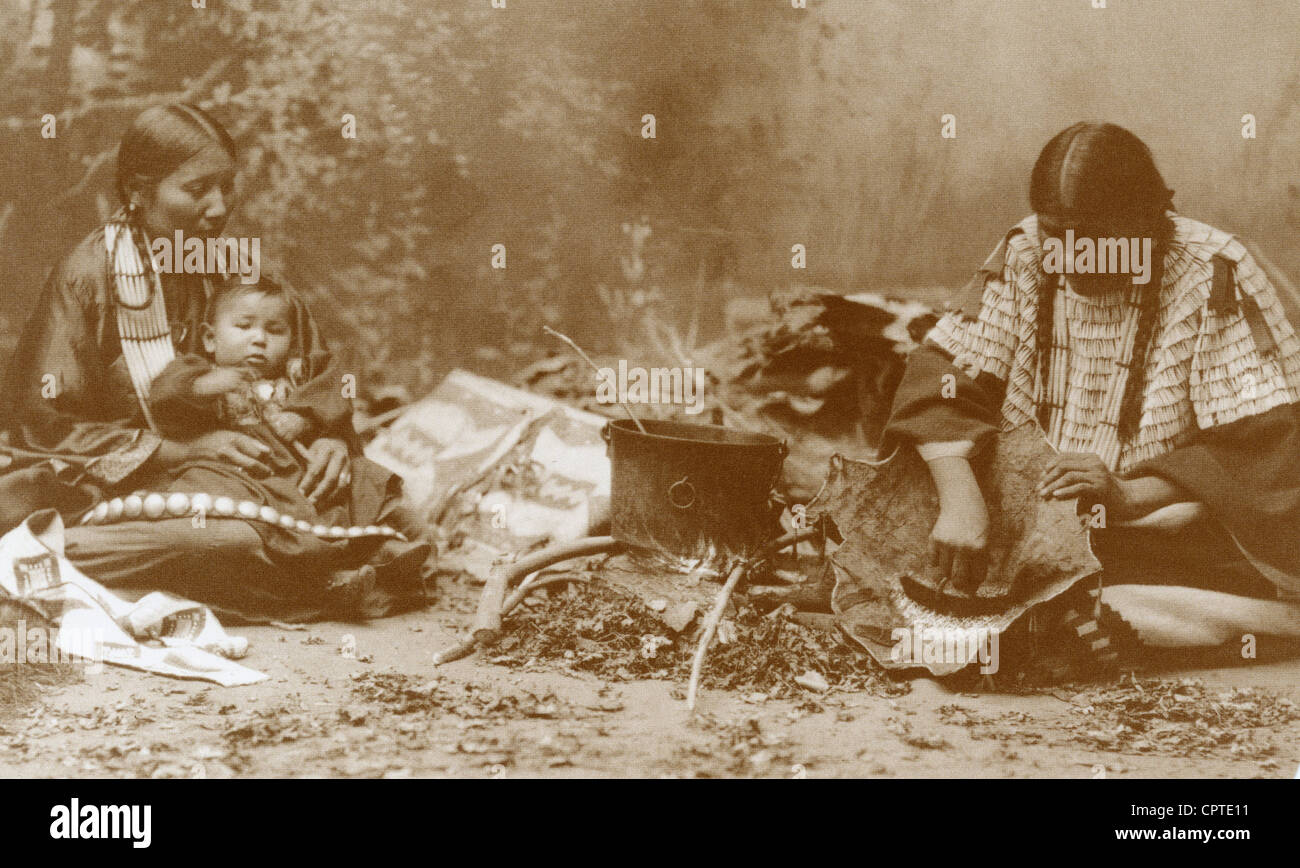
(251, 330)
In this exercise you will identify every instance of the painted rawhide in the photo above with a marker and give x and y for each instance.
(154, 505)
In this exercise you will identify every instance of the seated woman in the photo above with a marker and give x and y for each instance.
(1172, 395)
(80, 429)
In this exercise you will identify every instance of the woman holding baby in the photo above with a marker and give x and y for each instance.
(86, 427)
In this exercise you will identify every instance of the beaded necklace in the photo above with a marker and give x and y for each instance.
(142, 323)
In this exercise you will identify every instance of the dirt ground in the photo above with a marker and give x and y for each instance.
(388, 713)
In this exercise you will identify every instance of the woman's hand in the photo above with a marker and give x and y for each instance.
(327, 470)
(958, 542)
(1084, 475)
(961, 534)
(229, 446)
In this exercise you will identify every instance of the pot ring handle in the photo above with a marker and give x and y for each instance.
(681, 493)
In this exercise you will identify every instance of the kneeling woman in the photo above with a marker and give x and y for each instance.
(1174, 401)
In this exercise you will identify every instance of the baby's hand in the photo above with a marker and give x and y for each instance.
(219, 381)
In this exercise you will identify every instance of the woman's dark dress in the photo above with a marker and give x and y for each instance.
(74, 435)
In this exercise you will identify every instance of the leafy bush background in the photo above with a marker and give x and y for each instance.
(775, 126)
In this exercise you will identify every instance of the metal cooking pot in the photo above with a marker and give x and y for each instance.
(697, 491)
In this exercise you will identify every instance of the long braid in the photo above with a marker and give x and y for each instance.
(1045, 324)
(1130, 414)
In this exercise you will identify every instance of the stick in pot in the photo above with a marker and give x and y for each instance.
(577, 349)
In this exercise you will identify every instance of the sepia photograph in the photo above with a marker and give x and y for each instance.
(881, 390)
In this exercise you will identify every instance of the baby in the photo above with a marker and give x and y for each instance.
(248, 375)
(246, 381)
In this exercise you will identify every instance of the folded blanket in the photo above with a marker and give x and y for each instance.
(159, 633)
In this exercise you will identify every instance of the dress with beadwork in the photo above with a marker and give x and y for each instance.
(1219, 411)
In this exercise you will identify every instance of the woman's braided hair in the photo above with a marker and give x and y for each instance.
(1101, 180)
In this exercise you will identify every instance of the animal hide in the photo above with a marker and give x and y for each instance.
(884, 512)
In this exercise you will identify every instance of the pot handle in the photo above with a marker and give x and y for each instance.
(681, 494)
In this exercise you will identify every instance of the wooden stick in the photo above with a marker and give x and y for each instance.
(492, 606)
(456, 652)
(487, 623)
(724, 595)
(710, 627)
(527, 588)
(469, 646)
(577, 349)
